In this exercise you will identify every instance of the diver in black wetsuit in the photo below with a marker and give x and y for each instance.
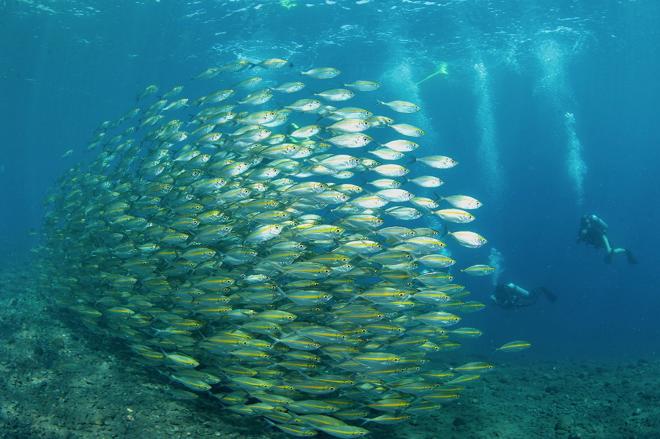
(593, 231)
(512, 296)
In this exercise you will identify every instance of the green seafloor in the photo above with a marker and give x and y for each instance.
(58, 381)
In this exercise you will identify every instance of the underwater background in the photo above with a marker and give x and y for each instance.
(551, 107)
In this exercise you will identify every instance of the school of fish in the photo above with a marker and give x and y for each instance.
(263, 246)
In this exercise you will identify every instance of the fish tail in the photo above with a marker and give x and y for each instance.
(445, 230)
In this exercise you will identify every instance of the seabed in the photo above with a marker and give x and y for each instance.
(58, 381)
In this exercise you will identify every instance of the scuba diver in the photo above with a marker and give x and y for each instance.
(593, 231)
(512, 296)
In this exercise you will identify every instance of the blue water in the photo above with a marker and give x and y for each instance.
(516, 72)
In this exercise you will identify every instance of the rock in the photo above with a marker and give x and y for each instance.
(552, 389)
(563, 423)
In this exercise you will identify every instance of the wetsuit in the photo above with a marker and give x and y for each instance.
(593, 231)
(511, 296)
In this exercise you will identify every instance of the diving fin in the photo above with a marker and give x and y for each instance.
(552, 297)
(442, 70)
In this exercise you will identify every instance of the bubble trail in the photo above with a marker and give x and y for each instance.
(488, 152)
(496, 260)
(577, 168)
(555, 86)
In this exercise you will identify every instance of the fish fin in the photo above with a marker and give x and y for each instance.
(445, 230)
(437, 197)
(275, 266)
(276, 340)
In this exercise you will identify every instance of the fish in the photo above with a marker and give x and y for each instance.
(467, 332)
(426, 203)
(363, 85)
(336, 94)
(401, 145)
(322, 72)
(391, 170)
(259, 117)
(258, 97)
(474, 366)
(353, 140)
(401, 106)
(294, 429)
(192, 383)
(395, 195)
(234, 246)
(289, 87)
(436, 261)
(462, 202)
(389, 405)
(305, 105)
(431, 297)
(468, 239)
(472, 306)
(350, 125)
(264, 233)
(387, 154)
(149, 90)
(385, 183)
(181, 360)
(462, 379)
(455, 215)
(407, 129)
(351, 113)
(515, 346)
(380, 121)
(440, 318)
(438, 161)
(479, 270)
(273, 63)
(209, 73)
(343, 431)
(305, 132)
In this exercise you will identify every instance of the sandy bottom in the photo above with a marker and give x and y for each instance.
(56, 382)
